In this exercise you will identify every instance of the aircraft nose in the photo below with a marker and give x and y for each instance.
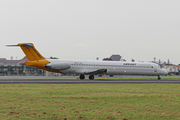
(165, 72)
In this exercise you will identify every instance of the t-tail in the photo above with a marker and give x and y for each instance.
(34, 57)
(31, 52)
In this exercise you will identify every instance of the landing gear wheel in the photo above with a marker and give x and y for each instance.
(91, 77)
(82, 77)
(159, 78)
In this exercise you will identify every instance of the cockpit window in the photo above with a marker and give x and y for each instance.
(159, 67)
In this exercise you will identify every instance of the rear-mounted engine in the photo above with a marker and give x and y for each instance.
(58, 66)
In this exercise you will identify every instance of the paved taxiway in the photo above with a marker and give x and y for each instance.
(69, 80)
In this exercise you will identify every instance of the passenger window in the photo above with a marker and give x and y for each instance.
(151, 66)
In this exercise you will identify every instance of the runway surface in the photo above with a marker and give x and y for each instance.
(74, 80)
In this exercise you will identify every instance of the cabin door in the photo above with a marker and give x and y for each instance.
(154, 68)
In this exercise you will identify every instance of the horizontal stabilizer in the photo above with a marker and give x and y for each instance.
(11, 45)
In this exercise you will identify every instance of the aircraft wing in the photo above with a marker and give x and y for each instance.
(95, 72)
(91, 71)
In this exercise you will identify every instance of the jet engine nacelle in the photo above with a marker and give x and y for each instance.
(58, 66)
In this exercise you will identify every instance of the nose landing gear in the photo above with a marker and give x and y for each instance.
(159, 78)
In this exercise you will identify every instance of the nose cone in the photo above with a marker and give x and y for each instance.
(164, 72)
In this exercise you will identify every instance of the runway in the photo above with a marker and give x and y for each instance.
(74, 81)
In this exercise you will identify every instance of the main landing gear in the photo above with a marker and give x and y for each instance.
(82, 77)
(91, 77)
(159, 78)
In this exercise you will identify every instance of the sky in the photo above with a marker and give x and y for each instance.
(87, 29)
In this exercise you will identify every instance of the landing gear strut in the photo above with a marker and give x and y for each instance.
(159, 78)
(82, 77)
(91, 77)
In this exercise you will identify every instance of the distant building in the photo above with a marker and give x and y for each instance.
(159, 61)
(10, 66)
(23, 61)
(116, 57)
(107, 59)
(113, 58)
(172, 69)
(18, 67)
(168, 62)
(3, 61)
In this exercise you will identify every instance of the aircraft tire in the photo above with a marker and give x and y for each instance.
(91, 77)
(82, 77)
(159, 78)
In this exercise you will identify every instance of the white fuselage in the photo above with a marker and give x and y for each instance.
(113, 67)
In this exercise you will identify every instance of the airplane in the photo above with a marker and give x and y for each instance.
(89, 67)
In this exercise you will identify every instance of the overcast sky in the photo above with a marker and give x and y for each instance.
(86, 29)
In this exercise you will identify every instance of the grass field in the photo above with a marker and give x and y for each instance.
(90, 101)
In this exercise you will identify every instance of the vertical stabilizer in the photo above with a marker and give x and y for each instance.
(31, 52)
(34, 57)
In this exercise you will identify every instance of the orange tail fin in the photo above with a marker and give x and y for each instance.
(34, 57)
(30, 51)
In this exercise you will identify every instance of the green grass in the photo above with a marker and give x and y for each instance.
(90, 101)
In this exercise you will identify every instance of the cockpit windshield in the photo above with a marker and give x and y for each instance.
(159, 67)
